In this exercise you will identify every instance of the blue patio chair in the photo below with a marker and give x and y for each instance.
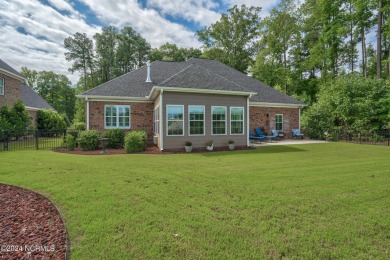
(258, 138)
(260, 133)
(276, 134)
(296, 133)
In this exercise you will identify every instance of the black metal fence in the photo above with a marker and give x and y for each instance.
(31, 139)
(374, 137)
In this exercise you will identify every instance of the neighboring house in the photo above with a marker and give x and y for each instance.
(12, 89)
(198, 100)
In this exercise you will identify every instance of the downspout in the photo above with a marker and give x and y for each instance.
(87, 112)
(161, 121)
(247, 121)
(299, 116)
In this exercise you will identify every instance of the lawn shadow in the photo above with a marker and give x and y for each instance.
(260, 150)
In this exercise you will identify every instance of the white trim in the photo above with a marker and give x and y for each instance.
(10, 74)
(248, 143)
(166, 119)
(276, 115)
(198, 90)
(161, 123)
(117, 117)
(204, 120)
(86, 99)
(299, 119)
(2, 79)
(243, 121)
(226, 116)
(116, 98)
(39, 109)
(267, 104)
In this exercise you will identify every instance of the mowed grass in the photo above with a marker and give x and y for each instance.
(299, 202)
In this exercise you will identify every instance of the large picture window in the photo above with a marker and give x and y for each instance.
(196, 120)
(175, 120)
(116, 116)
(218, 117)
(1, 86)
(236, 120)
(279, 122)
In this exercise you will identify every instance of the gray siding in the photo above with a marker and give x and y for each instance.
(207, 100)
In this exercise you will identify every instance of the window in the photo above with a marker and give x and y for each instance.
(218, 118)
(117, 116)
(156, 121)
(236, 120)
(196, 120)
(1, 86)
(175, 119)
(279, 122)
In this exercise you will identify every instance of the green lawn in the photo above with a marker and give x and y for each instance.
(302, 202)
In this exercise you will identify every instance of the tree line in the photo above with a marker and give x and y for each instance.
(300, 48)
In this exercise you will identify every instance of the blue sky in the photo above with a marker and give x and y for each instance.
(32, 32)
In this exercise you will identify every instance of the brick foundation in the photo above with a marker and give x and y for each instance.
(258, 118)
(141, 116)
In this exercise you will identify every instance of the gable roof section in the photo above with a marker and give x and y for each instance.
(132, 84)
(7, 68)
(265, 93)
(32, 100)
(196, 73)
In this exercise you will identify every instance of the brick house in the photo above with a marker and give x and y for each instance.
(197, 100)
(12, 89)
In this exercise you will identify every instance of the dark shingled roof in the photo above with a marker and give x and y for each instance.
(6, 67)
(31, 99)
(194, 73)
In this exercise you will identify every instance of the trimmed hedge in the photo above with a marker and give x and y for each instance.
(70, 142)
(116, 138)
(89, 140)
(135, 141)
(49, 120)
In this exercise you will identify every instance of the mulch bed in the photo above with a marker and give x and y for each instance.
(149, 150)
(30, 226)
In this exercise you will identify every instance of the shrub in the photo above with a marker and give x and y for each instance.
(15, 119)
(70, 142)
(89, 140)
(135, 141)
(49, 120)
(77, 126)
(116, 138)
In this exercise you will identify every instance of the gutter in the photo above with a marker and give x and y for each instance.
(282, 105)
(12, 74)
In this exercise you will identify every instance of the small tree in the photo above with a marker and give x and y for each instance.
(49, 120)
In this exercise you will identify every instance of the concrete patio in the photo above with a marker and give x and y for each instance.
(288, 142)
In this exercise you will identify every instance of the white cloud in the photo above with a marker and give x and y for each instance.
(200, 11)
(266, 5)
(40, 44)
(149, 23)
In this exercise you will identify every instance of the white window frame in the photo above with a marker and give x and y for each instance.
(156, 120)
(212, 125)
(2, 87)
(276, 122)
(167, 120)
(189, 120)
(243, 120)
(117, 117)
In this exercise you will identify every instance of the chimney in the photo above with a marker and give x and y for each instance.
(148, 73)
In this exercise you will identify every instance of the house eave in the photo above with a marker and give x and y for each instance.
(281, 105)
(115, 98)
(10, 74)
(38, 109)
(157, 89)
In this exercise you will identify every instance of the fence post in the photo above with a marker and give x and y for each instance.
(37, 139)
(5, 137)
